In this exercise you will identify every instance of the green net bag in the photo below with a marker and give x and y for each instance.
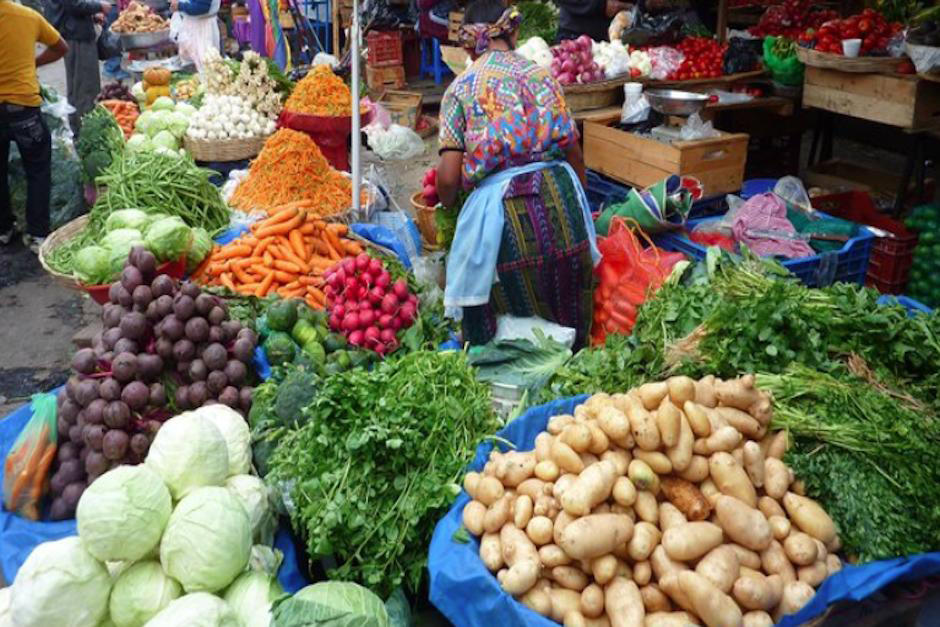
(785, 68)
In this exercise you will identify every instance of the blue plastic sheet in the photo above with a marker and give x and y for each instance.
(469, 595)
(384, 237)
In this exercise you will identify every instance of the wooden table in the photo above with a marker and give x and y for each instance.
(773, 104)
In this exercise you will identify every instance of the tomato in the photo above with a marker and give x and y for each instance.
(864, 25)
(851, 32)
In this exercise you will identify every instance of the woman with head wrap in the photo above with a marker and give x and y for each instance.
(524, 243)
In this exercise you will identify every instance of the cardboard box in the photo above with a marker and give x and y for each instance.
(404, 107)
(382, 78)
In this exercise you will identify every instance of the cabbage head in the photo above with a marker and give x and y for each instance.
(253, 495)
(157, 123)
(339, 603)
(251, 596)
(178, 123)
(122, 514)
(188, 452)
(127, 219)
(163, 103)
(198, 249)
(196, 610)
(143, 121)
(185, 108)
(207, 541)
(60, 584)
(165, 139)
(169, 238)
(234, 428)
(140, 593)
(119, 243)
(92, 265)
(139, 142)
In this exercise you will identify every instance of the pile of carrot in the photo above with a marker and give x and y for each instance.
(291, 169)
(126, 114)
(285, 254)
(24, 474)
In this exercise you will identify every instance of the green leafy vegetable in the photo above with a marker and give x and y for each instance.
(520, 362)
(338, 603)
(100, 140)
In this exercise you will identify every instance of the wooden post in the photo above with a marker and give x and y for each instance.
(722, 26)
(337, 27)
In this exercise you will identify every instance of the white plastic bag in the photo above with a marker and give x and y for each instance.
(176, 25)
(322, 58)
(926, 58)
(398, 142)
(636, 108)
(515, 328)
(695, 128)
(198, 35)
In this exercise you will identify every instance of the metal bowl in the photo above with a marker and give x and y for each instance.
(674, 102)
(136, 41)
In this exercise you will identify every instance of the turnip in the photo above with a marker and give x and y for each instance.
(356, 338)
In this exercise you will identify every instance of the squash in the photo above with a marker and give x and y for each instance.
(157, 76)
(155, 92)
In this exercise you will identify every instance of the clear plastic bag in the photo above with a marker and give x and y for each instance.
(516, 328)
(792, 191)
(665, 60)
(695, 128)
(636, 108)
(29, 460)
(198, 35)
(398, 142)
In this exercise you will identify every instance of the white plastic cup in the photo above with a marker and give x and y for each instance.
(851, 47)
(632, 90)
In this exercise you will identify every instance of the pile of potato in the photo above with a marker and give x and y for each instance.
(665, 506)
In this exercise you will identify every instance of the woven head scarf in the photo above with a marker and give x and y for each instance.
(477, 37)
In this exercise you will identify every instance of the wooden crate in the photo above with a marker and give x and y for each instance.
(404, 107)
(718, 162)
(456, 21)
(897, 100)
(382, 78)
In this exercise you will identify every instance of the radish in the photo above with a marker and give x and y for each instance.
(366, 279)
(413, 300)
(371, 335)
(376, 294)
(380, 348)
(339, 278)
(356, 338)
(375, 267)
(383, 279)
(351, 283)
(336, 322)
(387, 335)
(389, 304)
(349, 267)
(350, 322)
(407, 313)
(385, 321)
(400, 289)
(339, 311)
(366, 318)
(396, 323)
(362, 262)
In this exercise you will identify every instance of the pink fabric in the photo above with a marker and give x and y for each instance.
(762, 225)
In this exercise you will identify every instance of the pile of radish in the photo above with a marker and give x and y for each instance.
(429, 188)
(574, 62)
(366, 306)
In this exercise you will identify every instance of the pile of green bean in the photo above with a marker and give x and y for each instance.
(153, 183)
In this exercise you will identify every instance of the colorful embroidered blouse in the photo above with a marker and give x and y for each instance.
(504, 111)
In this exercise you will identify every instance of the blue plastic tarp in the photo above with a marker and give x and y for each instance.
(469, 595)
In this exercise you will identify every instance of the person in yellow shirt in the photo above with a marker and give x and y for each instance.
(21, 29)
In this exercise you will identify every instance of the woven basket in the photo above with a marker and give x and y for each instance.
(57, 238)
(226, 150)
(594, 95)
(426, 222)
(863, 65)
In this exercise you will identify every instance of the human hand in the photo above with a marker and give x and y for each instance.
(105, 7)
(615, 6)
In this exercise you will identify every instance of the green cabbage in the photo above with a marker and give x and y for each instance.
(198, 249)
(188, 452)
(122, 514)
(165, 139)
(92, 265)
(163, 103)
(60, 584)
(127, 219)
(334, 603)
(234, 429)
(158, 122)
(140, 593)
(251, 596)
(168, 238)
(207, 541)
(178, 123)
(119, 243)
(196, 610)
(254, 497)
(185, 108)
(143, 121)
(139, 142)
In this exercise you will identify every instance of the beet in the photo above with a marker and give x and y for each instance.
(244, 398)
(62, 426)
(117, 414)
(131, 277)
(134, 326)
(243, 350)
(56, 484)
(67, 451)
(198, 393)
(124, 367)
(72, 493)
(80, 419)
(109, 337)
(136, 394)
(215, 356)
(198, 370)
(182, 367)
(96, 463)
(204, 304)
(164, 305)
(107, 357)
(164, 348)
(114, 445)
(134, 254)
(82, 452)
(93, 434)
(184, 307)
(190, 289)
(59, 510)
(230, 329)
(157, 395)
(247, 334)
(71, 471)
(87, 392)
(124, 297)
(114, 293)
(235, 371)
(216, 334)
(172, 328)
(75, 434)
(229, 396)
(71, 386)
(147, 264)
(184, 350)
(140, 444)
(94, 413)
(197, 330)
(162, 285)
(149, 366)
(216, 315)
(181, 397)
(142, 295)
(125, 345)
(216, 382)
(69, 409)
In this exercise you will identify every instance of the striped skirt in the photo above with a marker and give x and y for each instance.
(544, 265)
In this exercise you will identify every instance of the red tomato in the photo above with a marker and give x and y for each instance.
(864, 26)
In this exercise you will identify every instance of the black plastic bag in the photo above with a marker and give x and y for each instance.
(742, 55)
(109, 44)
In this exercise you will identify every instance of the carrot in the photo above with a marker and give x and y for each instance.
(277, 252)
(40, 474)
(322, 263)
(338, 228)
(352, 248)
(287, 266)
(262, 246)
(240, 274)
(265, 285)
(307, 229)
(320, 224)
(30, 469)
(296, 240)
(268, 259)
(284, 215)
(226, 278)
(232, 251)
(320, 247)
(318, 296)
(310, 280)
(297, 261)
(218, 268)
(333, 242)
(286, 293)
(282, 227)
(284, 277)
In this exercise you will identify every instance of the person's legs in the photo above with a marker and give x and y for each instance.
(6, 211)
(83, 79)
(71, 80)
(32, 137)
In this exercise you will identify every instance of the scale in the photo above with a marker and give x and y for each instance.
(674, 106)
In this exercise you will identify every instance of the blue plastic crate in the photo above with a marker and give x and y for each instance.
(912, 306)
(847, 265)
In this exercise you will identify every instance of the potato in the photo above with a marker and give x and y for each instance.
(714, 607)
(739, 393)
(668, 420)
(533, 488)
(769, 507)
(557, 424)
(643, 476)
(566, 458)
(614, 423)
(624, 492)
(543, 446)
(489, 490)
(551, 555)
(497, 515)
(710, 491)
(540, 530)
(522, 558)
(821, 551)
(754, 463)
(546, 506)
(604, 568)
(691, 540)
(757, 618)
(547, 470)
(800, 549)
(657, 461)
(662, 564)
(814, 574)
(569, 577)
(537, 600)
(796, 594)
(646, 507)
(521, 510)
(774, 562)
(491, 552)
(705, 394)
(681, 389)
(697, 470)
(669, 583)
(578, 436)
(724, 438)
(738, 455)
(779, 527)
(623, 603)
(654, 599)
(563, 601)
(597, 402)
(742, 421)
(645, 538)
(473, 513)
(810, 517)
(642, 425)
(731, 479)
(603, 508)
(720, 566)
(833, 564)
(471, 481)
(743, 524)
(620, 458)
(652, 394)
(591, 488)
(642, 573)
(563, 482)
(687, 498)
(670, 516)
(669, 619)
(561, 521)
(698, 419)
(513, 468)
(778, 446)
(600, 443)
(594, 535)
(680, 455)
(776, 478)
(834, 545)
(754, 592)
(577, 619)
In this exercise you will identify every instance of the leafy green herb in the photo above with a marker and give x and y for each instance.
(99, 141)
(539, 19)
